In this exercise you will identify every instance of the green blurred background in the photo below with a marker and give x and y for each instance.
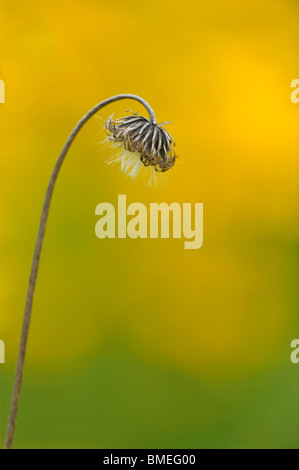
(140, 343)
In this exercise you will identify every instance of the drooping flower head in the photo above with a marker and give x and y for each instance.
(142, 143)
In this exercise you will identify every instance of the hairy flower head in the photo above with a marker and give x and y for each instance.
(142, 143)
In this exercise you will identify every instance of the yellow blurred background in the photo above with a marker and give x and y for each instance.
(140, 343)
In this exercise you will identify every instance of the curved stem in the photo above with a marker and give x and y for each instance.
(36, 257)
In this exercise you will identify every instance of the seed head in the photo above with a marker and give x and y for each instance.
(143, 142)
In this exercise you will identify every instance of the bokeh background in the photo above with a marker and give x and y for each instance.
(140, 343)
